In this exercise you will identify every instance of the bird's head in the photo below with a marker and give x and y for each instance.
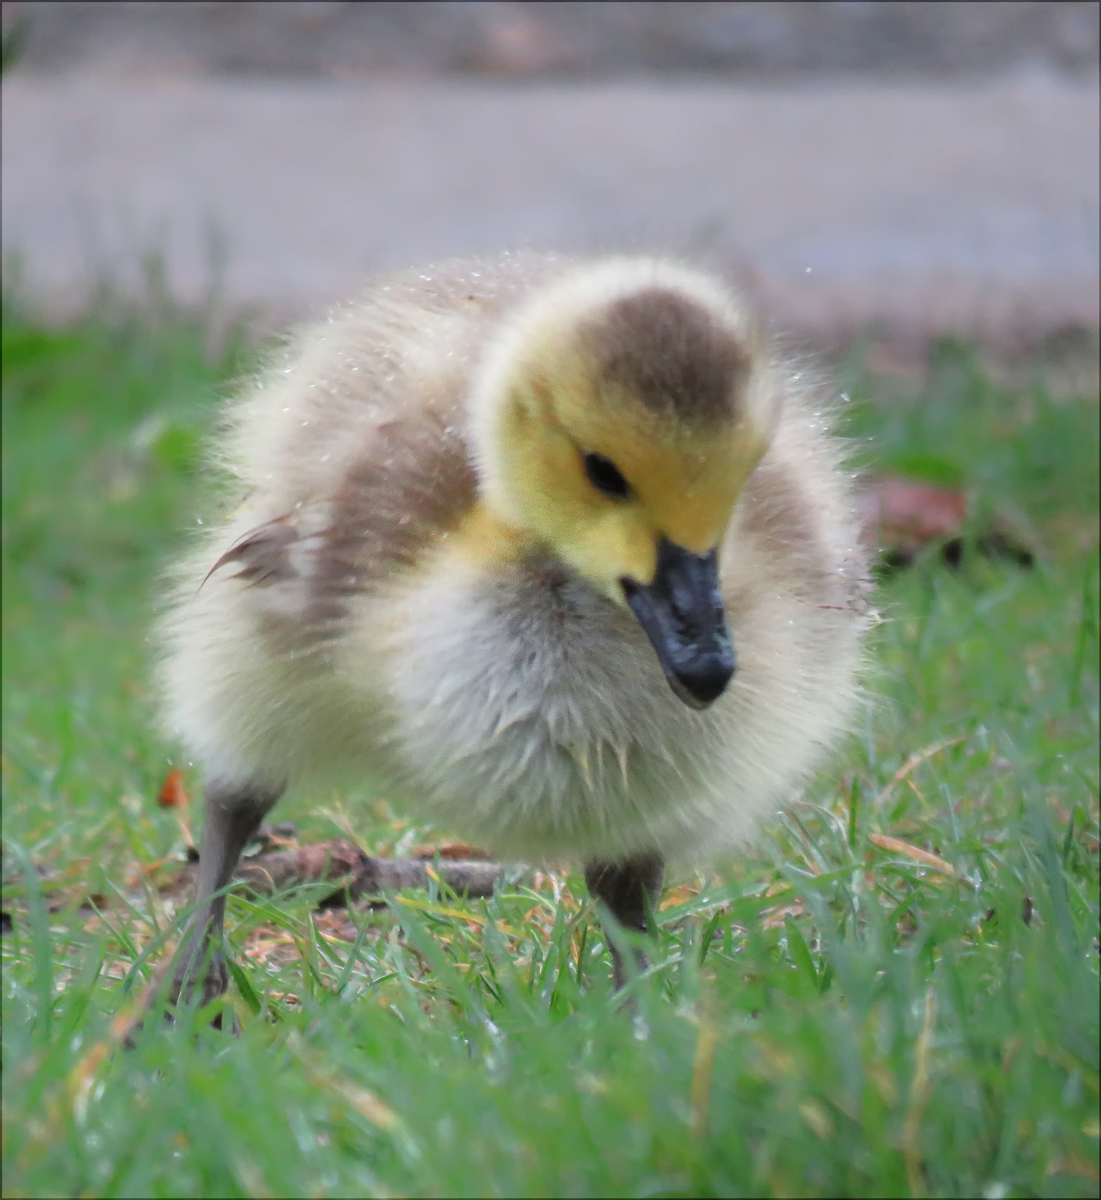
(617, 419)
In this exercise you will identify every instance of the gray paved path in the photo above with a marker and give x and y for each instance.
(927, 206)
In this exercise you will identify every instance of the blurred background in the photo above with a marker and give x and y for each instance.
(911, 188)
(927, 168)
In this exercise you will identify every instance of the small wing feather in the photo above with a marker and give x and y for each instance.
(264, 553)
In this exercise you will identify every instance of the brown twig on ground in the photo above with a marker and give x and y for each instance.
(282, 863)
(355, 874)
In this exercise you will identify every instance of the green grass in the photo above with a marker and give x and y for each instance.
(826, 1017)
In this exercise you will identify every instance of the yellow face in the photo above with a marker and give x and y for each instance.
(682, 484)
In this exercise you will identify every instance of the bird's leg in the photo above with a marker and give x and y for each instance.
(629, 889)
(233, 814)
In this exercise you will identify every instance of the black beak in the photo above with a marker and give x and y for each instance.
(682, 613)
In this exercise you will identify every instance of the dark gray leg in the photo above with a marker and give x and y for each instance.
(624, 887)
(233, 814)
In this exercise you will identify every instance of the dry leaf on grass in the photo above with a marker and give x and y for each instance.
(451, 850)
(773, 918)
(901, 514)
(913, 852)
(270, 941)
(681, 894)
(334, 923)
(172, 794)
(915, 760)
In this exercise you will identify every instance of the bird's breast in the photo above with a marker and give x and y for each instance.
(529, 711)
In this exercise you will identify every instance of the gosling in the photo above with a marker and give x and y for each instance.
(559, 551)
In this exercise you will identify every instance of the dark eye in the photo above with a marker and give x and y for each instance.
(605, 477)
